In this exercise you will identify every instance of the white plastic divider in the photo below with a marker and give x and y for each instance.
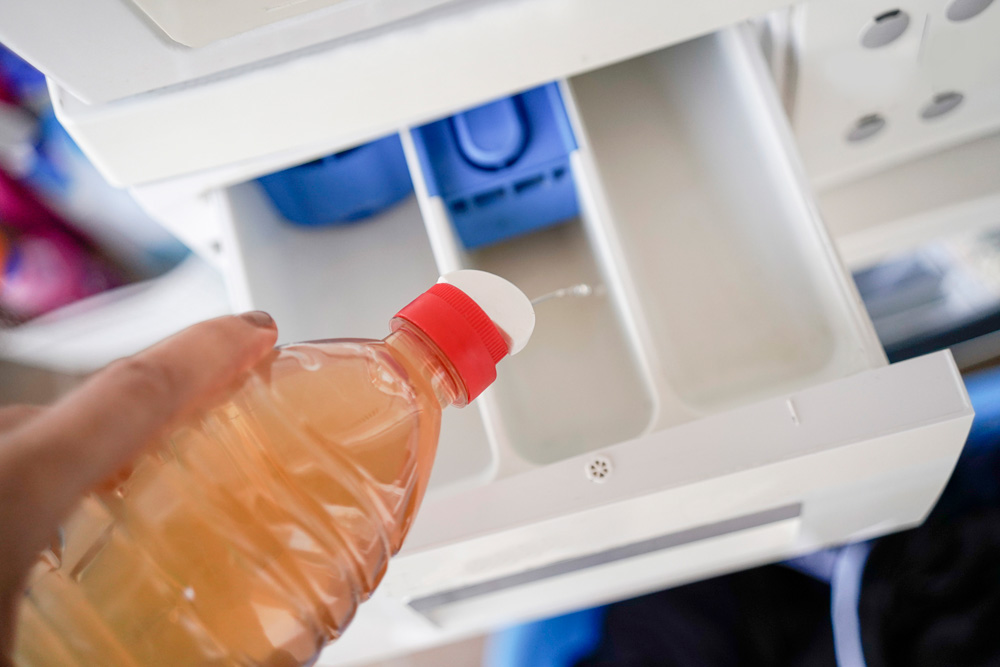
(449, 257)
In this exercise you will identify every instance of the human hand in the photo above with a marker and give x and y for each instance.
(51, 456)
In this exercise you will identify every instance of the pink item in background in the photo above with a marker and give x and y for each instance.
(41, 272)
(20, 210)
(6, 94)
(44, 264)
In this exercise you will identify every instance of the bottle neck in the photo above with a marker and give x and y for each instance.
(423, 359)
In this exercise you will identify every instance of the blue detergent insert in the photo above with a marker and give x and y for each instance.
(502, 168)
(344, 187)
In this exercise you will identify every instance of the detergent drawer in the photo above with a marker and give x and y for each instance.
(712, 398)
(146, 108)
(704, 391)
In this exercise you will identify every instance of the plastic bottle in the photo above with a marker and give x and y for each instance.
(250, 535)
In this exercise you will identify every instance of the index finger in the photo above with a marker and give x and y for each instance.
(104, 424)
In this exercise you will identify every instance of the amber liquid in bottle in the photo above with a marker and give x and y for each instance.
(251, 534)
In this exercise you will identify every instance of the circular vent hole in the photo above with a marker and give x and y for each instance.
(598, 469)
(941, 104)
(963, 10)
(866, 127)
(885, 29)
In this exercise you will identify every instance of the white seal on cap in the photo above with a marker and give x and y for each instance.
(504, 303)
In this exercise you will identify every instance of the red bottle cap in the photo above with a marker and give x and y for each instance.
(463, 332)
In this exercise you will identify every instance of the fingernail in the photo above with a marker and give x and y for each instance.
(259, 318)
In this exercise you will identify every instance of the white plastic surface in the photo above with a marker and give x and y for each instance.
(867, 454)
(328, 97)
(953, 191)
(197, 23)
(505, 304)
(837, 81)
(105, 50)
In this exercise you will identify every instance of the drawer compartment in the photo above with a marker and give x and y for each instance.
(340, 282)
(734, 284)
(719, 362)
(709, 280)
(578, 385)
